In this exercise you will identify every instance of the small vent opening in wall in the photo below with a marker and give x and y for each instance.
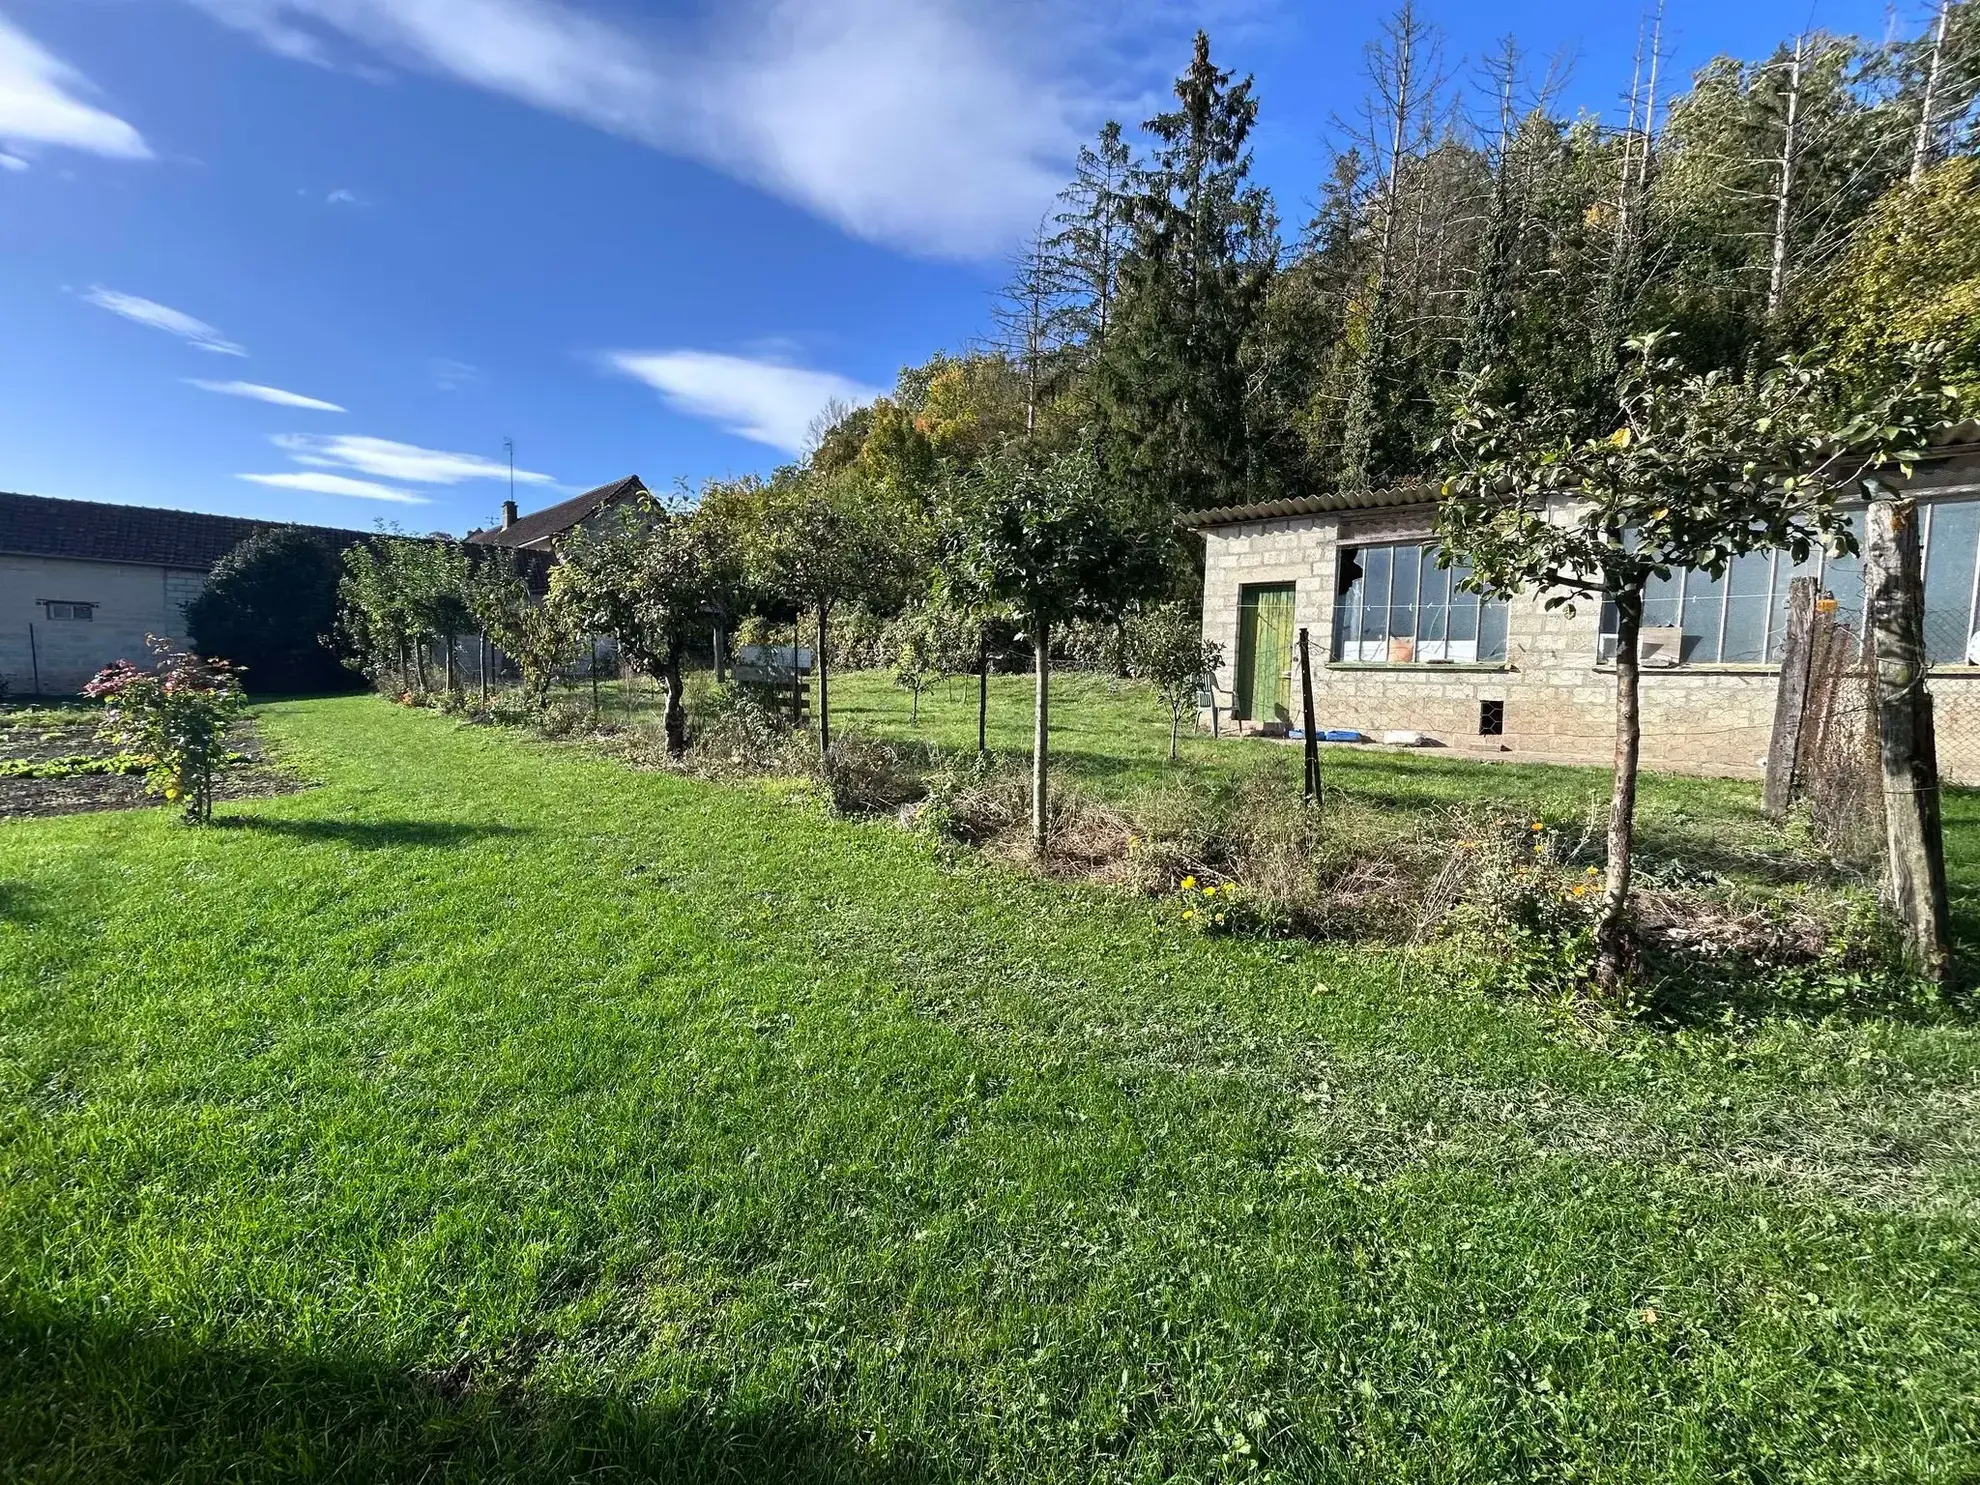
(1491, 719)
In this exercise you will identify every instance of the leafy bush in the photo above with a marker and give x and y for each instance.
(176, 715)
(564, 717)
(269, 604)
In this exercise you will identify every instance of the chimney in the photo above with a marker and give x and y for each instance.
(508, 514)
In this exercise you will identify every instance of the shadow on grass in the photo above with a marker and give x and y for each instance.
(369, 835)
(16, 903)
(86, 1402)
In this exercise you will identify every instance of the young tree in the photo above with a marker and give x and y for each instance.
(824, 539)
(652, 579)
(176, 715)
(1694, 471)
(913, 646)
(538, 636)
(1048, 543)
(1166, 648)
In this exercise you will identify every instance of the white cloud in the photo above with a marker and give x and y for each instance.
(761, 400)
(341, 197)
(937, 125)
(12, 162)
(385, 459)
(451, 376)
(38, 104)
(162, 317)
(260, 393)
(336, 484)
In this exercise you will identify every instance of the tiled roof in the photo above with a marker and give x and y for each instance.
(92, 531)
(1951, 441)
(541, 527)
(1307, 505)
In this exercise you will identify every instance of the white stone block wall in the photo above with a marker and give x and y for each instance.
(1558, 702)
(130, 602)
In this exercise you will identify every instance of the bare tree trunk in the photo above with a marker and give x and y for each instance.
(1915, 836)
(1041, 643)
(676, 711)
(1784, 187)
(982, 692)
(1612, 929)
(824, 697)
(1175, 730)
(1923, 142)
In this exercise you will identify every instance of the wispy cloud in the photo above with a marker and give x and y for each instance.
(385, 459)
(260, 393)
(38, 103)
(451, 376)
(765, 401)
(12, 162)
(336, 484)
(163, 317)
(342, 197)
(935, 125)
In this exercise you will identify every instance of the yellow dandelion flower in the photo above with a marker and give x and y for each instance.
(1209, 891)
(1188, 882)
(1539, 825)
(1230, 889)
(1188, 913)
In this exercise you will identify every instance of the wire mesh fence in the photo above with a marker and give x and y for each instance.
(1838, 772)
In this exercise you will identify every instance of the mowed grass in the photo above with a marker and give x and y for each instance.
(495, 1112)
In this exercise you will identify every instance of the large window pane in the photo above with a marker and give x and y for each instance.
(1433, 612)
(1660, 601)
(1704, 598)
(1842, 577)
(1749, 591)
(1347, 608)
(1402, 603)
(1949, 550)
(1786, 570)
(1492, 629)
(1375, 603)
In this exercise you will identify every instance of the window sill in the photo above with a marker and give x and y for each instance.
(1703, 667)
(1475, 667)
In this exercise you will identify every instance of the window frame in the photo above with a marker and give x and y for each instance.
(81, 611)
(1389, 592)
(1776, 612)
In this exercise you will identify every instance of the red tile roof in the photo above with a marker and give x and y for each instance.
(94, 531)
(539, 528)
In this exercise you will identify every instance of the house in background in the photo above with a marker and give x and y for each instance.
(539, 530)
(82, 583)
(1396, 646)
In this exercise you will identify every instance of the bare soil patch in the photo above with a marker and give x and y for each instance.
(59, 739)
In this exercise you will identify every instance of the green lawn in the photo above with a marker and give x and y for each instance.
(493, 1111)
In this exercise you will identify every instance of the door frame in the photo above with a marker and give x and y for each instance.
(1244, 693)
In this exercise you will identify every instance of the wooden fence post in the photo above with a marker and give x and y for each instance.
(1790, 701)
(1896, 603)
(1308, 730)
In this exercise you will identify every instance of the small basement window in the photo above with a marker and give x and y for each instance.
(62, 608)
(1491, 719)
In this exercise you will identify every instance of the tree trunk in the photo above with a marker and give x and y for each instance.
(484, 667)
(824, 696)
(450, 665)
(1041, 643)
(1175, 730)
(1612, 929)
(1914, 832)
(914, 708)
(982, 693)
(419, 658)
(1924, 141)
(676, 712)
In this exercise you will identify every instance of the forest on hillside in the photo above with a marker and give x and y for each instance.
(1822, 201)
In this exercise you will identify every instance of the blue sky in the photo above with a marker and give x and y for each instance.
(317, 259)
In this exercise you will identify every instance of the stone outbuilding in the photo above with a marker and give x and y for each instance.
(82, 582)
(1396, 647)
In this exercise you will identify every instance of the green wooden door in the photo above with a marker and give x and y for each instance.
(1265, 646)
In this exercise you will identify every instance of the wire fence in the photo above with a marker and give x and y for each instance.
(1837, 769)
